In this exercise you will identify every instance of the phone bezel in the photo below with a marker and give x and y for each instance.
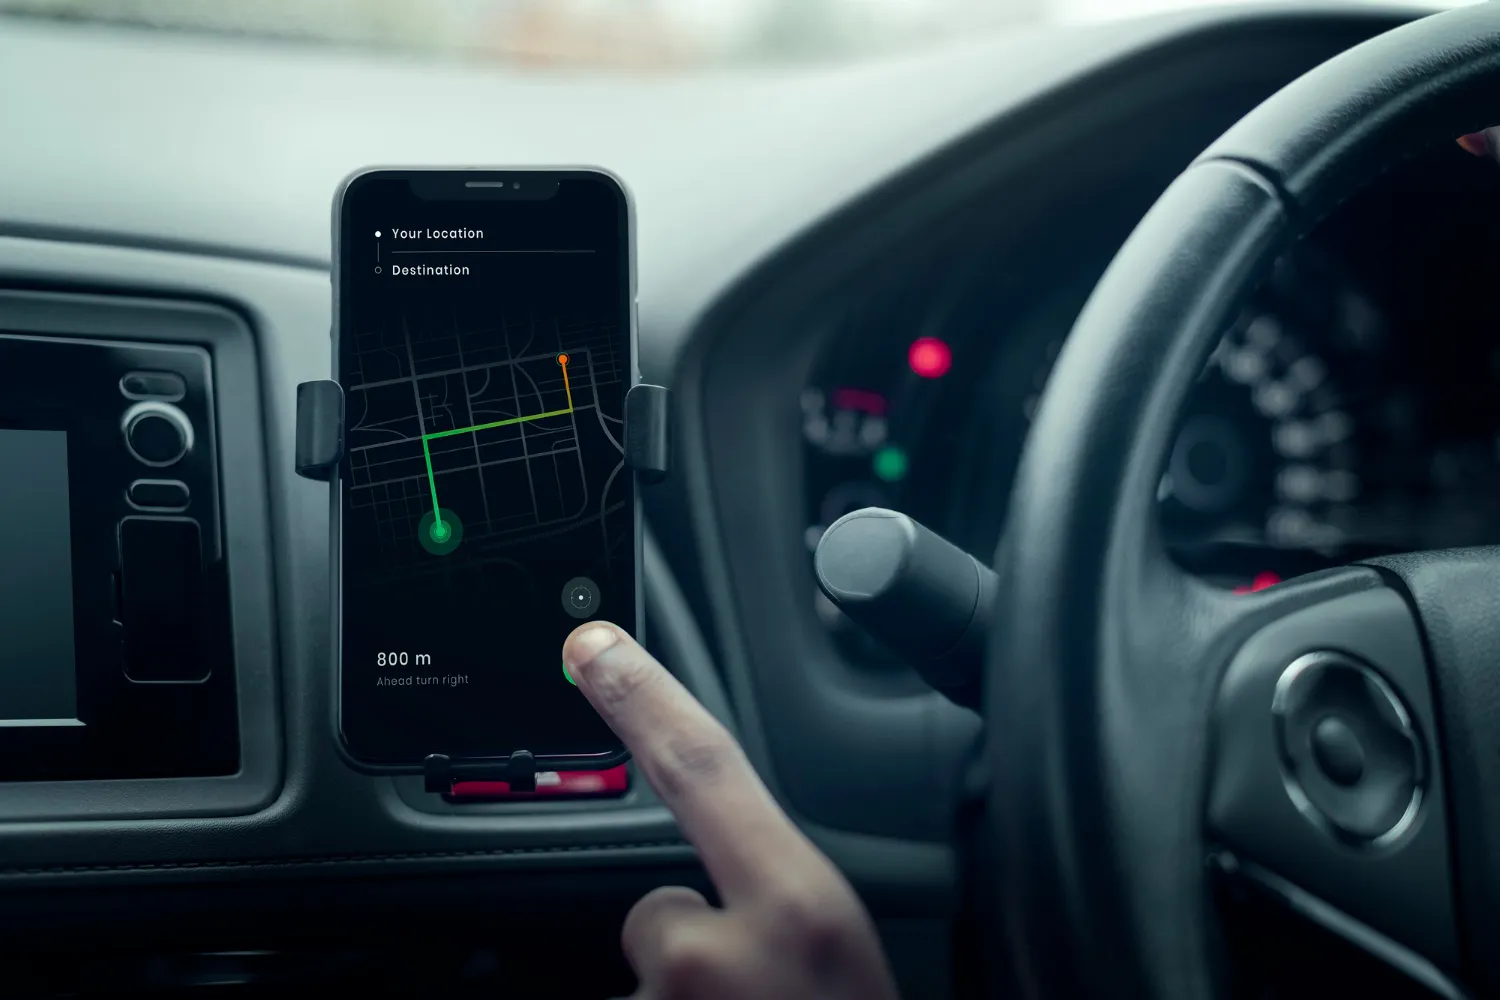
(551, 762)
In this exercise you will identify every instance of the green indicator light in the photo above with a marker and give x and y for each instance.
(569, 676)
(890, 463)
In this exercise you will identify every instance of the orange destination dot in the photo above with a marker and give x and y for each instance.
(562, 359)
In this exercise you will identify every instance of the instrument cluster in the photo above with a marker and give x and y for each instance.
(1352, 410)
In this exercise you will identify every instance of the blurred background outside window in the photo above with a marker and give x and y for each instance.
(646, 35)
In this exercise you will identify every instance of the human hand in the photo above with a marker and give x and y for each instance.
(790, 926)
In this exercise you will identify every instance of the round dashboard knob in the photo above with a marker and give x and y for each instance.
(157, 434)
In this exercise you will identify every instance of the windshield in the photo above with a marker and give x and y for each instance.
(640, 33)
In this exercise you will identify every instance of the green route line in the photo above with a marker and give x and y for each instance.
(439, 529)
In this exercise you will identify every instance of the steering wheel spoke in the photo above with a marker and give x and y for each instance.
(1327, 785)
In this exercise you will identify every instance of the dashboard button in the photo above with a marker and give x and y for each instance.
(158, 494)
(168, 386)
(161, 588)
(157, 434)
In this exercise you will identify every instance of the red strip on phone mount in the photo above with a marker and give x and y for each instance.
(609, 783)
(320, 448)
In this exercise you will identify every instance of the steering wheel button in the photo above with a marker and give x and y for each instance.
(1351, 760)
(1337, 751)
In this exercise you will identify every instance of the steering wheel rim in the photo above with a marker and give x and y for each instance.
(1106, 661)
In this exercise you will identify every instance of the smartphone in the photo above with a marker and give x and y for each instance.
(485, 340)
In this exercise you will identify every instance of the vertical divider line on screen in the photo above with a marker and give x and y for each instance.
(437, 515)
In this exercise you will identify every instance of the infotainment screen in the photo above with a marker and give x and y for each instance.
(38, 671)
(116, 654)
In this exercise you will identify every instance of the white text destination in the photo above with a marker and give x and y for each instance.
(428, 270)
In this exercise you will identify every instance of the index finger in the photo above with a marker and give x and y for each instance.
(724, 810)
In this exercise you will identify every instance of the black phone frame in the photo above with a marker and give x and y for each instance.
(320, 444)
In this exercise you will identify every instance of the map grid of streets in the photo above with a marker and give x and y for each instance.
(508, 485)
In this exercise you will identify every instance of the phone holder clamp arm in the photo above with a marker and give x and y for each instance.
(648, 440)
(320, 429)
(440, 772)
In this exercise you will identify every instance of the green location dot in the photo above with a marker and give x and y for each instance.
(890, 463)
(439, 532)
(569, 676)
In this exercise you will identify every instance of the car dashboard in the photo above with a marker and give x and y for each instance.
(845, 323)
(1347, 414)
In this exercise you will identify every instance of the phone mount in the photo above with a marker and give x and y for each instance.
(320, 445)
(440, 772)
(320, 430)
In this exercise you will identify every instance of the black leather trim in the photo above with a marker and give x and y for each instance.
(1458, 606)
(1328, 133)
(1099, 768)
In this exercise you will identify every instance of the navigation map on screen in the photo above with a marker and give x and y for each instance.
(486, 509)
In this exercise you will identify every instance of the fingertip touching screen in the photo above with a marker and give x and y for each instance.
(484, 345)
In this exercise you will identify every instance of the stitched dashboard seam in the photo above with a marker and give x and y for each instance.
(335, 859)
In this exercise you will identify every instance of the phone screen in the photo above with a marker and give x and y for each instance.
(484, 348)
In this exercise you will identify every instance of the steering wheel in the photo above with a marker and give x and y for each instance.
(1336, 737)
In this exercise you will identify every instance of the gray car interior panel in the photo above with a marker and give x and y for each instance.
(247, 546)
(807, 711)
(326, 815)
(740, 241)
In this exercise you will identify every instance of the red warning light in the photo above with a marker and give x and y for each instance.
(929, 357)
(863, 400)
(1261, 582)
